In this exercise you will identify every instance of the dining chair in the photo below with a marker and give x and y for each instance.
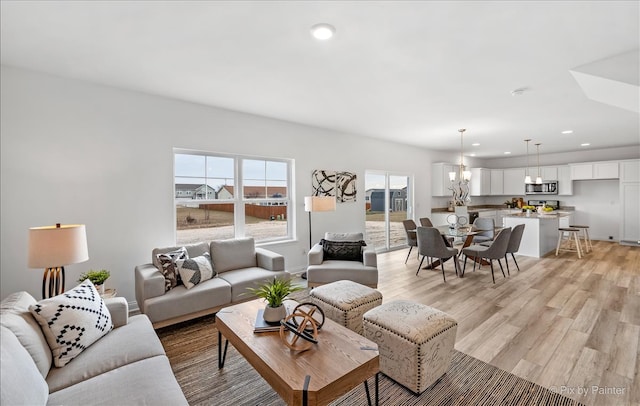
(412, 241)
(426, 222)
(497, 250)
(431, 245)
(514, 245)
(485, 227)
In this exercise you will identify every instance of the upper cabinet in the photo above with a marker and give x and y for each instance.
(565, 185)
(630, 171)
(497, 182)
(480, 184)
(549, 172)
(513, 181)
(594, 170)
(440, 178)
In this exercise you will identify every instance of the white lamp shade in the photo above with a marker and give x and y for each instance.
(527, 179)
(466, 175)
(53, 246)
(452, 176)
(319, 203)
(538, 180)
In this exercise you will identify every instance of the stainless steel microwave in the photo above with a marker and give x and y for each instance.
(547, 187)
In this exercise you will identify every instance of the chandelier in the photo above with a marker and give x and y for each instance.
(460, 187)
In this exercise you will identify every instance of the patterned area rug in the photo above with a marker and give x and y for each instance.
(192, 348)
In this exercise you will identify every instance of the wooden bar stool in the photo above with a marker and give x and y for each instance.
(571, 233)
(585, 236)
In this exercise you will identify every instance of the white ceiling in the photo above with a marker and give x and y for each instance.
(409, 71)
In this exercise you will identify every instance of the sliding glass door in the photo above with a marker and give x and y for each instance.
(388, 201)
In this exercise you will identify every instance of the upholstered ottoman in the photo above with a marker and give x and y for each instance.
(415, 342)
(345, 302)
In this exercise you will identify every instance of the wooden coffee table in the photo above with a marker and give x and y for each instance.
(340, 361)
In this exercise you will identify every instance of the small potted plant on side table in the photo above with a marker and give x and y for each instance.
(96, 277)
(274, 292)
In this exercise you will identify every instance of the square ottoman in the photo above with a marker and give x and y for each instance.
(415, 342)
(345, 302)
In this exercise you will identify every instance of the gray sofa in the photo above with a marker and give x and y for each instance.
(128, 366)
(239, 264)
(322, 270)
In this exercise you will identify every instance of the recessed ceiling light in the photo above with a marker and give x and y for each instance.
(586, 144)
(476, 144)
(323, 31)
(567, 132)
(507, 152)
(472, 154)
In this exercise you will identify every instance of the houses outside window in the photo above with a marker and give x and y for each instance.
(209, 207)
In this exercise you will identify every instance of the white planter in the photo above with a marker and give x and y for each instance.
(273, 315)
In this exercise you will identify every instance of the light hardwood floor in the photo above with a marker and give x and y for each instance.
(568, 324)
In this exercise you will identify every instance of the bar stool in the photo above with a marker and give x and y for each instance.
(585, 236)
(571, 233)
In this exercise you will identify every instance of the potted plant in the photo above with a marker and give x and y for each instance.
(96, 277)
(274, 292)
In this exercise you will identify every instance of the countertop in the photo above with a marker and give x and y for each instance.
(534, 215)
(496, 207)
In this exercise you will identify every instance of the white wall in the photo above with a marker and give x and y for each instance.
(75, 152)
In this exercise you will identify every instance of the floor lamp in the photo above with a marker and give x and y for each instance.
(52, 247)
(314, 204)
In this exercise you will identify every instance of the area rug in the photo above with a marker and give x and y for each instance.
(192, 350)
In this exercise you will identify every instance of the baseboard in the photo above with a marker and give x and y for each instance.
(630, 243)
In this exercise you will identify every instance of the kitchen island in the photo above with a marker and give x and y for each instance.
(540, 232)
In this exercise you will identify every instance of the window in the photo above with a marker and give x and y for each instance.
(209, 206)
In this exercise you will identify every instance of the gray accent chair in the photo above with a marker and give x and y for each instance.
(432, 245)
(321, 272)
(412, 241)
(497, 250)
(485, 227)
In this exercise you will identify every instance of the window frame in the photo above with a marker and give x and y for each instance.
(239, 201)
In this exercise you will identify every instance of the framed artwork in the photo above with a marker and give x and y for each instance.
(323, 183)
(346, 186)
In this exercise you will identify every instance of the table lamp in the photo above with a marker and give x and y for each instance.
(52, 247)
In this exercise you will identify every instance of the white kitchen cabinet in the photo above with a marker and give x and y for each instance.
(581, 171)
(629, 198)
(440, 178)
(514, 181)
(480, 184)
(606, 170)
(549, 172)
(630, 171)
(630, 224)
(594, 170)
(497, 182)
(565, 184)
(565, 220)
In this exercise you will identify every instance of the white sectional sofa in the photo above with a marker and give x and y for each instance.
(127, 366)
(239, 264)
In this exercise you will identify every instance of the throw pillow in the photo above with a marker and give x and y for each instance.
(342, 250)
(195, 270)
(168, 267)
(72, 321)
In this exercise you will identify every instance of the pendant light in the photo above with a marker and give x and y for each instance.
(538, 179)
(527, 178)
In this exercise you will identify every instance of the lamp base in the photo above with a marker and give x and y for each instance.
(52, 282)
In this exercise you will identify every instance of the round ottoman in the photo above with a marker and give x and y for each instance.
(415, 342)
(345, 302)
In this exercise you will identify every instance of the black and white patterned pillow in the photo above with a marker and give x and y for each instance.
(168, 267)
(195, 270)
(342, 250)
(72, 321)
